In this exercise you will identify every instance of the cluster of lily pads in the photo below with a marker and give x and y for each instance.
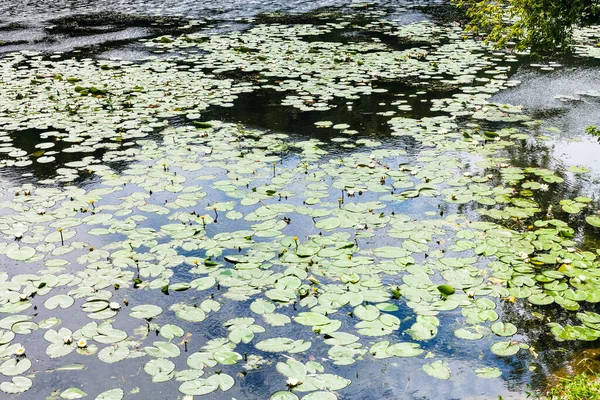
(185, 217)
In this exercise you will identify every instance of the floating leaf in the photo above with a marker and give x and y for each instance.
(283, 395)
(145, 311)
(20, 253)
(438, 369)
(19, 384)
(73, 393)
(312, 319)
(505, 348)
(15, 366)
(61, 300)
(488, 372)
(503, 329)
(198, 387)
(113, 394)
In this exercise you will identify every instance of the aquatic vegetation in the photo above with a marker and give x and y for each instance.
(199, 250)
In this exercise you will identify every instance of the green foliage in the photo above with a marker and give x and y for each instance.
(578, 387)
(542, 25)
(592, 130)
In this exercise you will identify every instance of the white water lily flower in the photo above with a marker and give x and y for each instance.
(490, 177)
(467, 174)
(571, 249)
(114, 306)
(20, 351)
(41, 211)
(292, 382)
(544, 187)
(67, 339)
(82, 343)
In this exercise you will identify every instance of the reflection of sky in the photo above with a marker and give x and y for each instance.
(559, 98)
(29, 25)
(37, 12)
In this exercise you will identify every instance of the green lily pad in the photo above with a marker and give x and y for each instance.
(438, 369)
(145, 311)
(112, 394)
(18, 384)
(73, 393)
(488, 372)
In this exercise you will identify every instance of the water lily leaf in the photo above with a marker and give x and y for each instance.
(438, 369)
(593, 220)
(169, 331)
(320, 396)
(422, 331)
(463, 333)
(19, 253)
(61, 300)
(275, 345)
(328, 223)
(145, 311)
(73, 393)
(107, 334)
(198, 387)
(313, 319)
(24, 328)
(292, 369)
(19, 384)
(261, 306)
(404, 349)
(113, 354)
(71, 367)
(507, 348)
(188, 375)
(223, 381)
(226, 357)
(589, 318)
(163, 350)
(6, 337)
(160, 369)
(367, 313)
(390, 252)
(203, 283)
(112, 394)
(540, 299)
(578, 169)
(283, 395)
(503, 329)
(276, 319)
(15, 366)
(200, 360)
(488, 372)
(59, 349)
(189, 313)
